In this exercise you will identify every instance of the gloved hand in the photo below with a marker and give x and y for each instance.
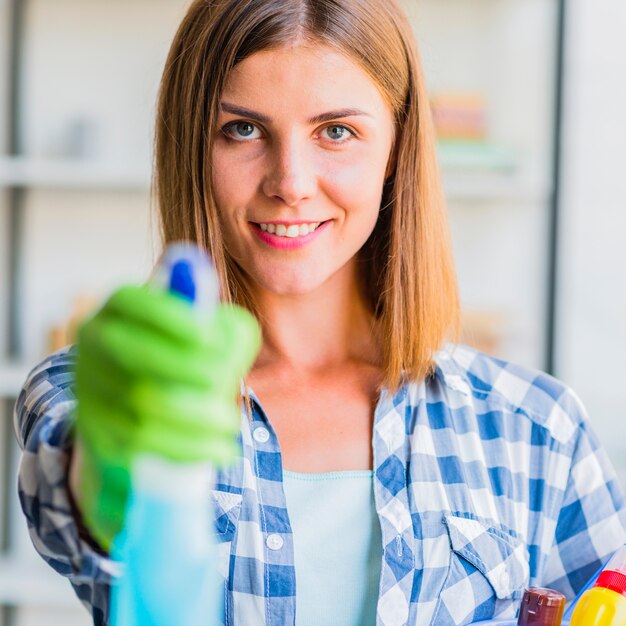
(153, 377)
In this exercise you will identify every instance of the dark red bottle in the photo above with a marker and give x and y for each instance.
(541, 607)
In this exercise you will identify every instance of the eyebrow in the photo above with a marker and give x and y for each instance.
(316, 119)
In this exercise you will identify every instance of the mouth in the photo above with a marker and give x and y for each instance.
(288, 235)
(290, 230)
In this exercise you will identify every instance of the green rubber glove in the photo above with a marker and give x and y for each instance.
(153, 377)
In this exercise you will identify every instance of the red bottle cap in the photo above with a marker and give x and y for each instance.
(615, 581)
(541, 607)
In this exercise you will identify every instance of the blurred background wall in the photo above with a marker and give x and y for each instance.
(539, 241)
(591, 304)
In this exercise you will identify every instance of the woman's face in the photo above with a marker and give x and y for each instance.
(305, 143)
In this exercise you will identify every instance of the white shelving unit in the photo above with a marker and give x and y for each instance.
(68, 174)
(88, 75)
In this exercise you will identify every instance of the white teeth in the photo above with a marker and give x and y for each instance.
(294, 230)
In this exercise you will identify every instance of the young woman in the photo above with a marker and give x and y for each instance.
(373, 473)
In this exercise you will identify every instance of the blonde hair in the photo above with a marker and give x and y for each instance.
(407, 262)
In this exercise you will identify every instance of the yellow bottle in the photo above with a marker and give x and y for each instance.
(605, 603)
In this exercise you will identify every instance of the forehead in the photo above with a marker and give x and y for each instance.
(303, 77)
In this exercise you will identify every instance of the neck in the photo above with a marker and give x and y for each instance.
(313, 331)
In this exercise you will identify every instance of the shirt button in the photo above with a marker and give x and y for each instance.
(261, 435)
(274, 542)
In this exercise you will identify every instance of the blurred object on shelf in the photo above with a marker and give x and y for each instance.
(484, 330)
(57, 338)
(77, 138)
(460, 116)
(65, 333)
(461, 123)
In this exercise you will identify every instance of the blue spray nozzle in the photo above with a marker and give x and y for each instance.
(182, 280)
(188, 272)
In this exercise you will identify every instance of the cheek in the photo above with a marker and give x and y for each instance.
(357, 187)
(233, 185)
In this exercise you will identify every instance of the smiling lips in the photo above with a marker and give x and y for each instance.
(289, 230)
(288, 236)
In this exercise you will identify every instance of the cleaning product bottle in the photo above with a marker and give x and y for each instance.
(605, 603)
(541, 607)
(170, 575)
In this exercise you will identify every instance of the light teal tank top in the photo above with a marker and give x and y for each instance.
(337, 547)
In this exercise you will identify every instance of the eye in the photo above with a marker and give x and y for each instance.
(240, 131)
(339, 133)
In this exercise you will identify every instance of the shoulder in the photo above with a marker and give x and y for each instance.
(55, 368)
(47, 392)
(495, 385)
(45, 380)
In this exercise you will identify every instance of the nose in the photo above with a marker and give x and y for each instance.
(291, 176)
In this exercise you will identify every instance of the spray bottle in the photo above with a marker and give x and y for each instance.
(170, 574)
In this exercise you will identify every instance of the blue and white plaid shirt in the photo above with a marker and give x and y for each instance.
(488, 479)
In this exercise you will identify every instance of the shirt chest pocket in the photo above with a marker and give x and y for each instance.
(487, 574)
(226, 508)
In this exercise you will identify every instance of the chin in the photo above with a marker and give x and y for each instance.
(291, 285)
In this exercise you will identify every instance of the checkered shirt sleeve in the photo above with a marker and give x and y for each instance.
(43, 418)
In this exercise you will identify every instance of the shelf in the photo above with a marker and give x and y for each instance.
(480, 170)
(71, 174)
(25, 581)
(12, 377)
(492, 186)
(477, 156)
